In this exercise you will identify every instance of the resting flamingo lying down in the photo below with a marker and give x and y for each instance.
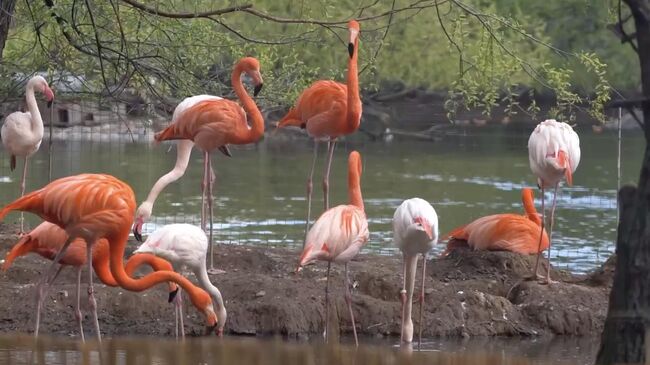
(48, 238)
(502, 232)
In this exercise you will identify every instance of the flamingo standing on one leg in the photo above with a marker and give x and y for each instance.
(185, 245)
(338, 235)
(554, 154)
(183, 152)
(92, 207)
(415, 231)
(22, 133)
(213, 124)
(502, 232)
(328, 110)
(47, 239)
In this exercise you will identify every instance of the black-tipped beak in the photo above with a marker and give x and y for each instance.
(172, 295)
(257, 90)
(210, 329)
(351, 49)
(136, 234)
(225, 150)
(49, 103)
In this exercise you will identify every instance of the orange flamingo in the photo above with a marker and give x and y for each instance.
(92, 207)
(338, 235)
(47, 239)
(328, 110)
(213, 124)
(503, 232)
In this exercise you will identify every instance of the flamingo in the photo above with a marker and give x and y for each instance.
(554, 154)
(183, 152)
(338, 235)
(503, 232)
(328, 110)
(22, 133)
(415, 231)
(92, 207)
(47, 239)
(213, 124)
(186, 246)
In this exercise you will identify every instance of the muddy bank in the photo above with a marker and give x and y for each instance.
(467, 294)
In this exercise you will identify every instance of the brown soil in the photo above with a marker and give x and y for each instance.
(467, 294)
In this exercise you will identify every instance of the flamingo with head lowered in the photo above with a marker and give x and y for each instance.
(328, 110)
(22, 133)
(185, 246)
(214, 124)
(554, 155)
(47, 239)
(415, 231)
(338, 235)
(183, 152)
(92, 207)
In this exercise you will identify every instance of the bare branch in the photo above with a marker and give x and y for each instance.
(204, 14)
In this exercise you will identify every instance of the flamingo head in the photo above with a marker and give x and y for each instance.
(421, 224)
(353, 27)
(212, 323)
(141, 215)
(251, 66)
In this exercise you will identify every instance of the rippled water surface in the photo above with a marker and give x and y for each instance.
(260, 191)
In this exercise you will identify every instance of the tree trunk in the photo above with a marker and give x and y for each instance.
(628, 318)
(6, 15)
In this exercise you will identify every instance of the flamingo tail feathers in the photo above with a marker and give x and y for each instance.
(25, 203)
(166, 134)
(22, 248)
(292, 118)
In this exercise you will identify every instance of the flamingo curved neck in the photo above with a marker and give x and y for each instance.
(36, 119)
(204, 281)
(354, 189)
(407, 323)
(117, 244)
(183, 152)
(529, 207)
(256, 130)
(353, 117)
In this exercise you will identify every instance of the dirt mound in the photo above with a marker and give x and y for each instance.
(467, 294)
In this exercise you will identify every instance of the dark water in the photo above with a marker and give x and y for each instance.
(58, 351)
(260, 191)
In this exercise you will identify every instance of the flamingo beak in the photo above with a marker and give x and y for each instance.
(172, 295)
(353, 37)
(258, 88)
(427, 229)
(210, 329)
(137, 229)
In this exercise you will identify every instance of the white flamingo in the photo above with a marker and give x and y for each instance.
(554, 154)
(415, 231)
(183, 152)
(186, 246)
(22, 133)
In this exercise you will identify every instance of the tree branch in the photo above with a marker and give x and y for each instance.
(204, 14)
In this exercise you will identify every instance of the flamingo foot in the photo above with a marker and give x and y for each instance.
(547, 281)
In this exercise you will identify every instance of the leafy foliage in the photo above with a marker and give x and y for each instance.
(481, 51)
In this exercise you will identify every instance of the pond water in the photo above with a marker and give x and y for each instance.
(243, 351)
(260, 191)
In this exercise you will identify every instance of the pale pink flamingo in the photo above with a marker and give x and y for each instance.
(183, 152)
(415, 231)
(214, 124)
(554, 154)
(186, 246)
(47, 239)
(328, 110)
(92, 207)
(22, 133)
(338, 235)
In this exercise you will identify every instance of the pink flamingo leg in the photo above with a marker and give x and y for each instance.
(310, 187)
(327, 303)
(22, 192)
(212, 270)
(420, 324)
(326, 177)
(541, 234)
(41, 288)
(550, 234)
(91, 295)
(403, 300)
(178, 304)
(348, 300)
(77, 308)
